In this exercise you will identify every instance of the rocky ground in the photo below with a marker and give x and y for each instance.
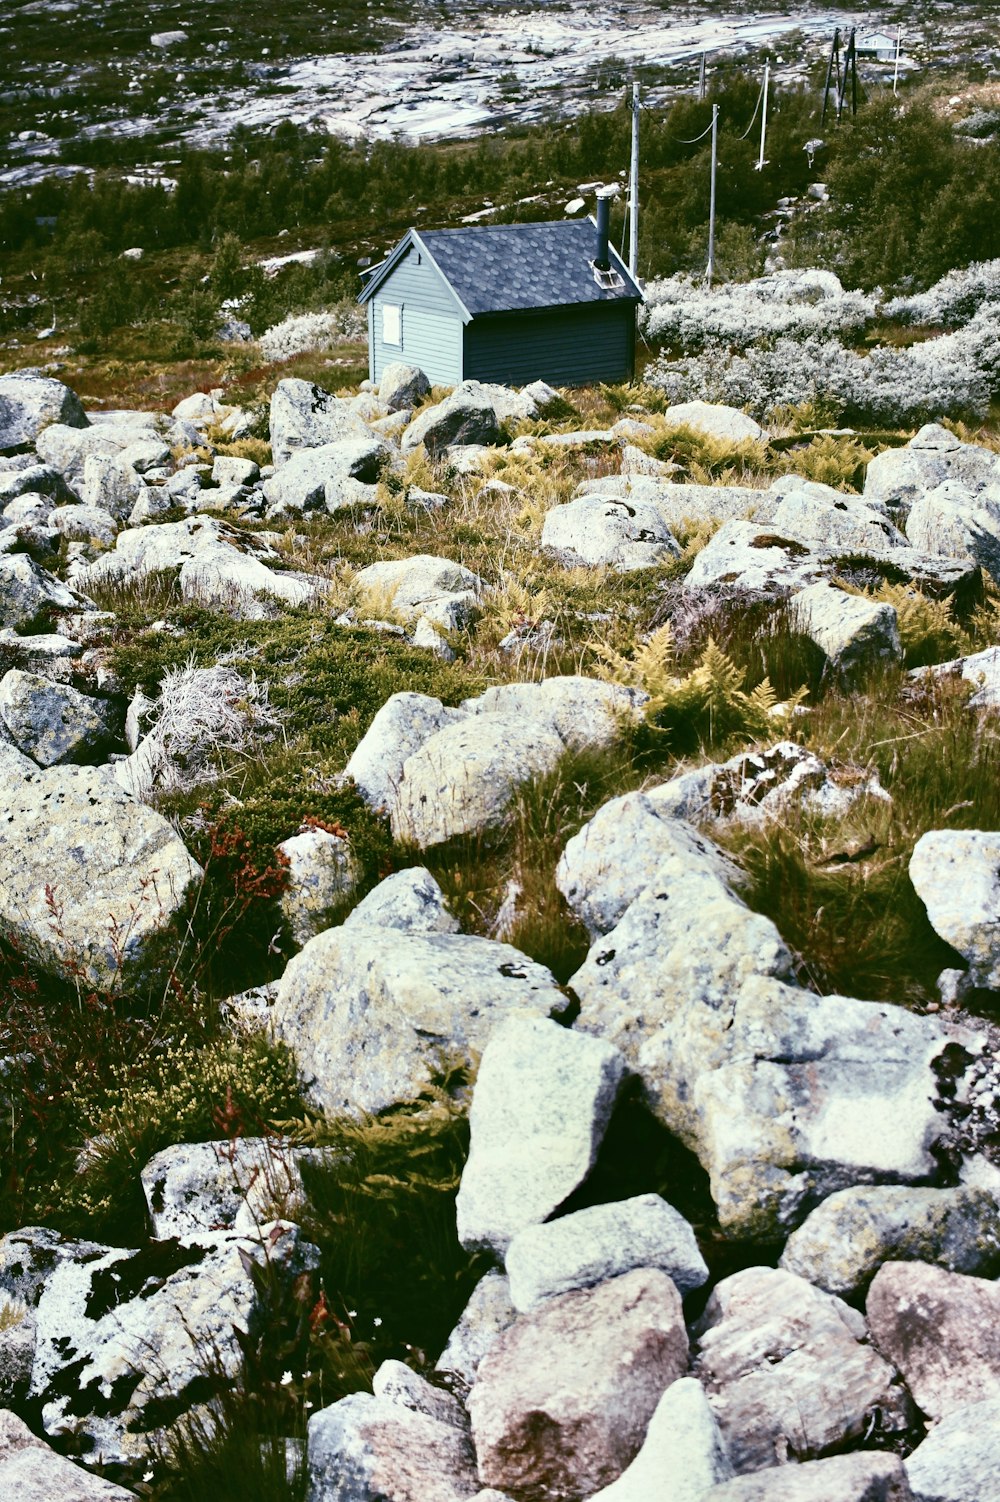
(540, 916)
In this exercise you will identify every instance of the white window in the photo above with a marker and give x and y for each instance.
(392, 324)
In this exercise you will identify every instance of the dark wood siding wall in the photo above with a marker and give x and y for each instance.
(566, 347)
(430, 324)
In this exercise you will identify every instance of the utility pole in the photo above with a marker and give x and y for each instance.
(895, 71)
(710, 268)
(834, 53)
(701, 77)
(850, 72)
(763, 118)
(633, 184)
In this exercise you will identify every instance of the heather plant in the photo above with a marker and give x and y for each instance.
(304, 332)
(685, 314)
(953, 300)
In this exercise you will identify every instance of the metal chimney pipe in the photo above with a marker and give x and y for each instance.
(602, 260)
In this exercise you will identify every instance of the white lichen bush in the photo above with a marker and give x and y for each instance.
(956, 298)
(686, 314)
(308, 333)
(202, 720)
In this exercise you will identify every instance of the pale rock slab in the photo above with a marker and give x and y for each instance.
(846, 1239)
(786, 1368)
(606, 532)
(405, 721)
(321, 872)
(425, 586)
(368, 1448)
(369, 1012)
(31, 1472)
(623, 849)
(213, 1186)
(982, 669)
(541, 1103)
(85, 524)
(409, 900)
(823, 518)
(585, 712)
(117, 872)
(842, 1478)
(956, 874)
(486, 1316)
(679, 504)
(900, 476)
(463, 778)
(959, 523)
(852, 631)
(757, 786)
(402, 386)
(715, 419)
(682, 1455)
(111, 484)
(941, 1329)
(301, 483)
(563, 1399)
(756, 558)
(52, 722)
(304, 416)
(592, 1245)
(67, 448)
(30, 403)
(400, 1384)
(228, 469)
(959, 1461)
(34, 479)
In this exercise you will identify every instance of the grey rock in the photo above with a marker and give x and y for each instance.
(900, 476)
(959, 523)
(959, 1461)
(585, 712)
(111, 484)
(17, 1350)
(304, 416)
(852, 631)
(824, 518)
(31, 1472)
(321, 873)
(982, 669)
(715, 419)
(28, 510)
(786, 1368)
(941, 1329)
(843, 1243)
(487, 1315)
(608, 532)
(215, 1186)
(52, 722)
(370, 1449)
(756, 558)
(145, 452)
(123, 1334)
(405, 721)
(34, 479)
(842, 1478)
(127, 875)
(67, 448)
(301, 483)
(85, 523)
(601, 1242)
(402, 385)
(29, 1256)
(683, 1452)
(30, 403)
(28, 593)
(563, 1399)
(409, 900)
(370, 1012)
(677, 504)
(227, 469)
(956, 874)
(424, 586)
(466, 416)
(400, 1384)
(542, 1100)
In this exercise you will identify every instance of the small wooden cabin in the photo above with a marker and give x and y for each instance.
(511, 303)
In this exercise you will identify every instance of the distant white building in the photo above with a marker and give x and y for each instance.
(876, 44)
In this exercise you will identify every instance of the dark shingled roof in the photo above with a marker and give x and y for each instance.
(499, 268)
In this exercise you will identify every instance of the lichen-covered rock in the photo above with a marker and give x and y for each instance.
(959, 1461)
(301, 483)
(304, 416)
(715, 419)
(29, 403)
(122, 1337)
(17, 1350)
(846, 1239)
(981, 669)
(486, 1316)
(853, 632)
(321, 873)
(956, 873)
(52, 722)
(213, 1186)
(410, 900)
(900, 476)
(586, 713)
(756, 786)
(84, 524)
(941, 1329)
(370, 1013)
(405, 722)
(607, 532)
(959, 523)
(563, 1399)
(601, 1242)
(32, 1472)
(28, 593)
(542, 1100)
(824, 518)
(110, 484)
(787, 1369)
(424, 586)
(466, 416)
(402, 386)
(842, 1478)
(90, 877)
(67, 448)
(370, 1449)
(682, 1455)
(400, 1384)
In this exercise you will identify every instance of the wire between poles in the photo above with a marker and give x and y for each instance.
(756, 107)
